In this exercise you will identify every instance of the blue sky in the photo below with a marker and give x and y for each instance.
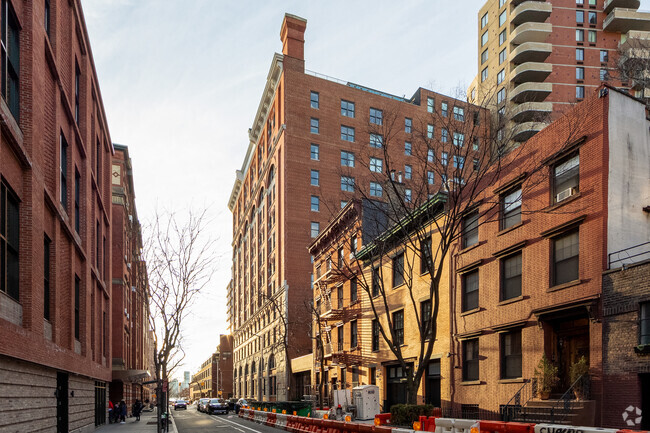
(181, 83)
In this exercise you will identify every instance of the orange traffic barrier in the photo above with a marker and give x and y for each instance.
(379, 429)
(382, 418)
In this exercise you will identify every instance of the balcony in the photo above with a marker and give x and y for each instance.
(514, 3)
(531, 92)
(623, 20)
(627, 4)
(531, 11)
(529, 111)
(530, 52)
(531, 71)
(530, 32)
(524, 131)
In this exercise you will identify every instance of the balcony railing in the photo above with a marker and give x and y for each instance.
(629, 256)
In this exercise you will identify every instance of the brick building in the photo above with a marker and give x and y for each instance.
(537, 57)
(132, 356)
(530, 282)
(55, 158)
(314, 141)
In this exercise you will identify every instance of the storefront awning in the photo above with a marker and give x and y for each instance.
(131, 375)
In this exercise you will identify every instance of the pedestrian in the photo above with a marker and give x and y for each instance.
(137, 409)
(110, 411)
(122, 411)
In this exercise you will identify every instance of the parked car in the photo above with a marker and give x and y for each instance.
(243, 402)
(231, 403)
(217, 405)
(202, 404)
(180, 404)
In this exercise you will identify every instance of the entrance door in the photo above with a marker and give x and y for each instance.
(62, 403)
(572, 344)
(395, 386)
(645, 401)
(432, 384)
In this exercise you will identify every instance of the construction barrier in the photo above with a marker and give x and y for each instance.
(559, 428)
(452, 425)
(382, 418)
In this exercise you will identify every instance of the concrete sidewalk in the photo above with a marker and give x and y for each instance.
(147, 424)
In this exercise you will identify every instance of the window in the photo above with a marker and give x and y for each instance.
(459, 162)
(503, 55)
(347, 108)
(470, 359)
(353, 290)
(429, 131)
(376, 116)
(459, 139)
(501, 3)
(347, 133)
(314, 100)
(430, 157)
(408, 125)
(339, 296)
(425, 313)
(580, 73)
(470, 229)
(475, 144)
(315, 203)
(580, 35)
(484, 56)
(347, 183)
(376, 283)
(476, 164)
(343, 203)
(408, 195)
(77, 89)
(592, 2)
(375, 189)
(354, 241)
(431, 105)
(580, 54)
(502, 18)
(315, 178)
(484, 38)
(603, 75)
(511, 208)
(566, 178)
(315, 228)
(77, 200)
(10, 59)
(444, 158)
(376, 141)
(314, 125)
(398, 327)
(470, 290)
(347, 159)
(511, 277)
(340, 337)
(408, 172)
(77, 306)
(580, 17)
(375, 335)
(591, 36)
(425, 255)
(315, 152)
(398, 270)
(430, 177)
(444, 135)
(644, 323)
(565, 258)
(64, 172)
(501, 95)
(501, 76)
(503, 36)
(408, 148)
(484, 20)
(511, 354)
(592, 18)
(46, 277)
(46, 20)
(353, 334)
(604, 56)
(376, 165)
(9, 237)
(459, 114)
(484, 74)
(444, 109)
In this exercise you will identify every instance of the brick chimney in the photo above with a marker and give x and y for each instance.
(292, 35)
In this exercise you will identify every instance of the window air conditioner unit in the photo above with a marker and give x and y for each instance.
(563, 195)
(128, 265)
(133, 288)
(127, 316)
(351, 256)
(130, 218)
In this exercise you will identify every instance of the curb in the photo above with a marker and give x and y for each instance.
(173, 428)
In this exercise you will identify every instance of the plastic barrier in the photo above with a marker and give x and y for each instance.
(633, 431)
(280, 421)
(452, 425)
(382, 418)
(425, 424)
(559, 428)
(507, 427)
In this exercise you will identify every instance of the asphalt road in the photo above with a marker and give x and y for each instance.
(192, 421)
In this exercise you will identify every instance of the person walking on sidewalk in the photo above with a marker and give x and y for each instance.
(110, 411)
(137, 409)
(122, 412)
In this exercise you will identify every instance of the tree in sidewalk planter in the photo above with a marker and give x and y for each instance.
(180, 261)
(421, 212)
(546, 376)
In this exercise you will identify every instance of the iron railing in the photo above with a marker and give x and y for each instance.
(513, 409)
(629, 256)
(566, 403)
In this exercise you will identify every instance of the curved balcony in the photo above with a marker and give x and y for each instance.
(627, 4)
(530, 32)
(530, 111)
(622, 20)
(531, 92)
(514, 3)
(531, 71)
(531, 11)
(524, 131)
(530, 52)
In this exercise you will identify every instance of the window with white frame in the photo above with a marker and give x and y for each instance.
(315, 203)
(315, 178)
(376, 141)
(459, 162)
(315, 100)
(429, 131)
(580, 92)
(347, 133)
(580, 54)
(430, 177)
(315, 229)
(444, 158)
(430, 104)
(459, 114)
(503, 56)
(484, 74)
(375, 189)
(408, 125)
(501, 76)
(376, 165)
(430, 155)
(315, 125)
(502, 37)
(347, 159)
(580, 73)
(444, 109)
(444, 135)
(511, 208)
(580, 35)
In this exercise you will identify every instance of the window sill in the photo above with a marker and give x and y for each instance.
(564, 286)
(472, 311)
(642, 349)
(511, 300)
(511, 228)
(563, 202)
(399, 286)
(470, 248)
(471, 383)
(514, 380)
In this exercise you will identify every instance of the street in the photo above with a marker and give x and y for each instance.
(192, 421)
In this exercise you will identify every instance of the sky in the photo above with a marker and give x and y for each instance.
(181, 82)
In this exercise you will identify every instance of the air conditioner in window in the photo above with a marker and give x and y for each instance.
(133, 288)
(128, 265)
(125, 311)
(563, 195)
(127, 316)
(351, 256)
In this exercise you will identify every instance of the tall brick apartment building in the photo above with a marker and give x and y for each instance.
(132, 345)
(538, 57)
(531, 281)
(55, 222)
(311, 146)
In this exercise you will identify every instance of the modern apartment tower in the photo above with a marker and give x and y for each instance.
(536, 57)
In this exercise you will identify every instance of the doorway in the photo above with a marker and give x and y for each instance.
(571, 344)
(62, 402)
(645, 401)
(432, 384)
(395, 386)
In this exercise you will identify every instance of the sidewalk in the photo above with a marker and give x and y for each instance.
(147, 424)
